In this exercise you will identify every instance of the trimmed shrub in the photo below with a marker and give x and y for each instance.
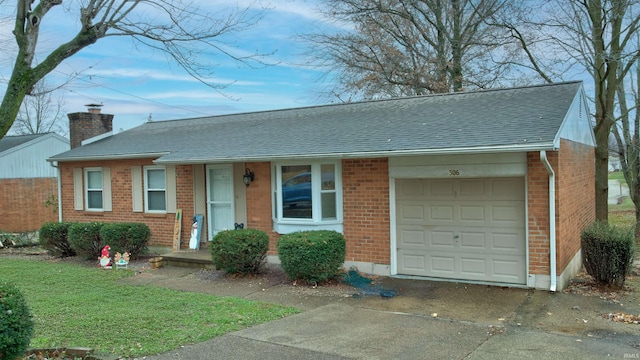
(240, 251)
(85, 240)
(126, 237)
(608, 252)
(16, 323)
(54, 238)
(313, 256)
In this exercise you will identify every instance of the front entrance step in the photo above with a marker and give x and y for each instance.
(188, 258)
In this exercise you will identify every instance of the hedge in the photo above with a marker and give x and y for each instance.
(312, 255)
(240, 251)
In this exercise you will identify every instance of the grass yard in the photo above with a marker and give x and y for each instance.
(79, 306)
(623, 214)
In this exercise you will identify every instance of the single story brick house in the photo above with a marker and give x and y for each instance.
(27, 181)
(452, 186)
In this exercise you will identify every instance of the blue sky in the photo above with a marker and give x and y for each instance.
(134, 82)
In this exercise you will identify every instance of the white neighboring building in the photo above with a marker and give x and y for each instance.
(27, 180)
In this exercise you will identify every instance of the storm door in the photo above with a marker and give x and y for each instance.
(220, 198)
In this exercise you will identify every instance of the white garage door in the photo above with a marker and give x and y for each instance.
(468, 229)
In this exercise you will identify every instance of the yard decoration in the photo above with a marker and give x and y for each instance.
(121, 260)
(105, 259)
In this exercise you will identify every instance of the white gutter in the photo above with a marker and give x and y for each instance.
(178, 160)
(552, 220)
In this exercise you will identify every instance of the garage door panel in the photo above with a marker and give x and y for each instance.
(473, 241)
(413, 264)
(443, 264)
(471, 229)
(441, 213)
(439, 189)
(507, 214)
(413, 238)
(409, 213)
(472, 189)
(409, 189)
(508, 242)
(441, 240)
(473, 267)
(508, 270)
(506, 189)
(473, 213)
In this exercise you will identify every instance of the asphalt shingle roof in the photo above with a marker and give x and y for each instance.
(526, 117)
(9, 142)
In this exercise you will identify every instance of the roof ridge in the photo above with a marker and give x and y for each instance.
(377, 101)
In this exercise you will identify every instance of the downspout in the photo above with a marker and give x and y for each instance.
(552, 219)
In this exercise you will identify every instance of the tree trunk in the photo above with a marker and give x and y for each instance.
(17, 87)
(602, 172)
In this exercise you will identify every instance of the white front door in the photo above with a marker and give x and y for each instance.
(220, 198)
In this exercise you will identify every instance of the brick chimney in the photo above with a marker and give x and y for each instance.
(85, 125)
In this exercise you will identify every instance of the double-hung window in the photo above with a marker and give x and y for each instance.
(307, 196)
(93, 187)
(155, 189)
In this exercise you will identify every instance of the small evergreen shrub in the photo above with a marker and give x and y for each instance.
(16, 323)
(85, 240)
(313, 256)
(53, 237)
(240, 251)
(126, 237)
(608, 252)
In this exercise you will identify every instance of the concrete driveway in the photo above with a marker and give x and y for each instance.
(421, 320)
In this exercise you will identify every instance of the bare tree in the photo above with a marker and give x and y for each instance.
(173, 27)
(599, 36)
(414, 47)
(42, 112)
(627, 135)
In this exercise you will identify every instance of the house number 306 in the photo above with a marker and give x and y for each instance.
(454, 172)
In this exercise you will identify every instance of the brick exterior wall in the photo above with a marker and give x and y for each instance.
(365, 192)
(365, 184)
(538, 199)
(259, 202)
(576, 198)
(161, 225)
(23, 203)
(366, 204)
(575, 203)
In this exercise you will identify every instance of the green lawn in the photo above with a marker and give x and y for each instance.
(621, 214)
(79, 306)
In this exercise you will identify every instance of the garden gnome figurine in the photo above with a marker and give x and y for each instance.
(105, 260)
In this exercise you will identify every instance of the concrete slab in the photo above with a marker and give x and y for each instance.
(356, 333)
(231, 347)
(515, 344)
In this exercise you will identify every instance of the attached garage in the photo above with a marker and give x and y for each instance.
(471, 229)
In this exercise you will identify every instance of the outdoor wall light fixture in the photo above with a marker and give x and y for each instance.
(248, 176)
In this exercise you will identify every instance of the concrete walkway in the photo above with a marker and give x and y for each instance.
(424, 320)
(617, 190)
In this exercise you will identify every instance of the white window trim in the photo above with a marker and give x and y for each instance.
(146, 190)
(86, 188)
(283, 225)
